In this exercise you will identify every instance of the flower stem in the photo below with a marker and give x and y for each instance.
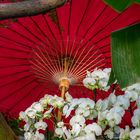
(63, 90)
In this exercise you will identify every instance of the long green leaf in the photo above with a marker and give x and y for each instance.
(112, 78)
(138, 1)
(119, 5)
(125, 47)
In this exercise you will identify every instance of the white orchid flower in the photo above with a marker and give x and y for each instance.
(39, 136)
(131, 95)
(90, 136)
(70, 106)
(112, 99)
(67, 133)
(122, 102)
(93, 114)
(124, 133)
(102, 105)
(99, 74)
(138, 102)
(76, 128)
(22, 115)
(103, 84)
(43, 102)
(133, 87)
(60, 124)
(89, 83)
(107, 70)
(82, 111)
(135, 134)
(109, 133)
(118, 109)
(68, 97)
(137, 112)
(93, 128)
(114, 116)
(102, 121)
(88, 74)
(102, 115)
(37, 106)
(77, 119)
(40, 125)
(47, 114)
(97, 79)
(136, 118)
(28, 135)
(31, 113)
(59, 132)
(65, 110)
(26, 127)
(48, 98)
(86, 103)
(57, 102)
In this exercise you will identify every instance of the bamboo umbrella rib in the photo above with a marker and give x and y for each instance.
(13, 49)
(45, 66)
(58, 44)
(39, 69)
(101, 30)
(51, 31)
(103, 38)
(11, 57)
(47, 59)
(77, 59)
(23, 36)
(83, 68)
(42, 74)
(69, 19)
(92, 25)
(82, 75)
(60, 31)
(11, 66)
(17, 91)
(25, 45)
(77, 30)
(14, 81)
(36, 24)
(14, 74)
(33, 34)
(71, 49)
(84, 14)
(23, 97)
(83, 58)
(56, 66)
(45, 79)
(36, 71)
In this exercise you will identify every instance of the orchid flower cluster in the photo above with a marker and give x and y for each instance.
(34, 116)
(98, 79)
(104, 116)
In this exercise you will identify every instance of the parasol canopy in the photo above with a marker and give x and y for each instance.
(35, 49)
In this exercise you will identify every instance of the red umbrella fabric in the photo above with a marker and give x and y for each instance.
(32, 50)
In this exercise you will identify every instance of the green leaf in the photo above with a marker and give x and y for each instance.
(125, 47)
(111, 78)
(119, 5)
(138, 1)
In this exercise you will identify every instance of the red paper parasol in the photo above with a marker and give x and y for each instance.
(33, 50)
